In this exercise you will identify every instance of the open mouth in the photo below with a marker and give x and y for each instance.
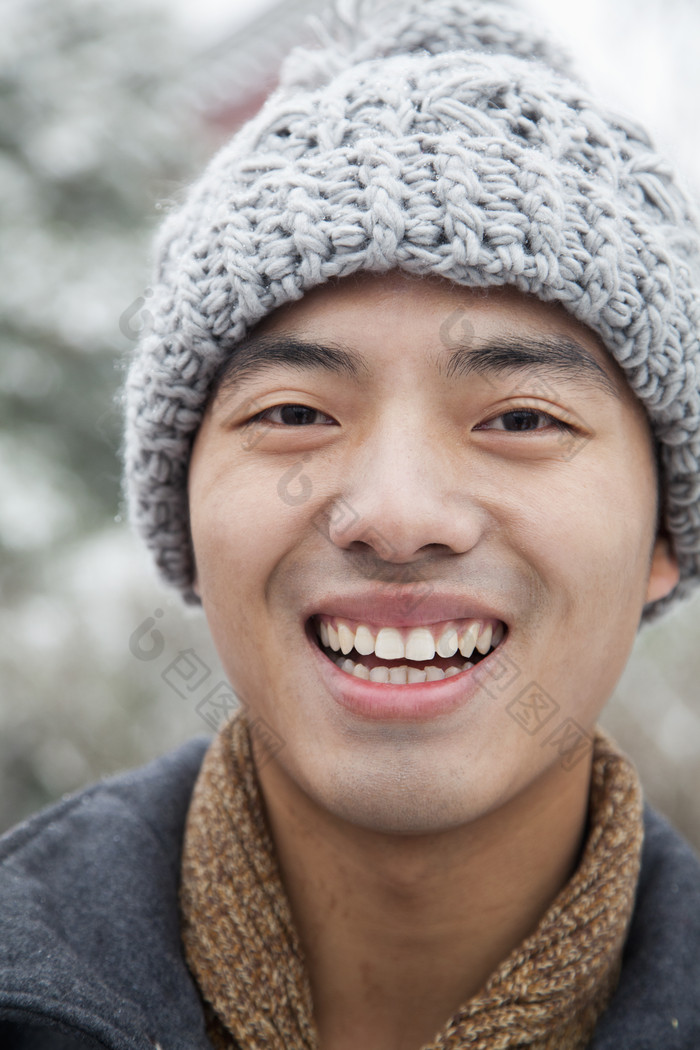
(406, 655)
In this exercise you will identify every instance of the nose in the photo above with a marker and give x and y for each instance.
(405, 493)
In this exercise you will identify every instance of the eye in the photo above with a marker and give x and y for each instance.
(291, 416)
(524, 419)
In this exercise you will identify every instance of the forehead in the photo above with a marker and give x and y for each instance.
(372, 319)
(370, 303)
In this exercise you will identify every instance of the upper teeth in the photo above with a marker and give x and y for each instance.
(419, 643)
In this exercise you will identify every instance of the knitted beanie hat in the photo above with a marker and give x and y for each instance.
(435, 137)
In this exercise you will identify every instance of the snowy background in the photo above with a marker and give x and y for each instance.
(106, 112)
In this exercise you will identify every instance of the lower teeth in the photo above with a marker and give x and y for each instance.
(399, 675)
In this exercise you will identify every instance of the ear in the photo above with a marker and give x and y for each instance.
(664, 573)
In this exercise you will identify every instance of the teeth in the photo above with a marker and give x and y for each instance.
(468, 640)
(364, 641)
(333, 638)
(415, 674)
(379, 674)
(448, 643)
(398, 675)
(420, 644)
(402, 675)
(389, 645)
(483, 643)
(346, 637)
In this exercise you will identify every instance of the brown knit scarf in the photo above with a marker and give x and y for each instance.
(245, 954)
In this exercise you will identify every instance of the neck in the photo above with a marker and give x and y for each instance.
(423, 920)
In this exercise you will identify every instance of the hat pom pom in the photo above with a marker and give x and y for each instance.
(361, 30)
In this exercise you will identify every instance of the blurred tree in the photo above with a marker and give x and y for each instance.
(98, 129)
(90, 120)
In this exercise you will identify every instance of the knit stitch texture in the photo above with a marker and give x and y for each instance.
(245, 954)
(439, 137)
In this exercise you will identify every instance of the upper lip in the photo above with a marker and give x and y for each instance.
(414, 607)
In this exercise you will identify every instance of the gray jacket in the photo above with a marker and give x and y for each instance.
(90, 953)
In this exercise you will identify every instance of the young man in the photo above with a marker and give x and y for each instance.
(417, 424)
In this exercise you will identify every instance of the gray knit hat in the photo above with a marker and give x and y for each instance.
(436, 137)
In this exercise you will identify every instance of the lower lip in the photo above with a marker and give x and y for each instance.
(419, 701)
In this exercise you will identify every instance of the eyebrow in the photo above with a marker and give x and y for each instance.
(550, 356)
(544, 357)
(255, 356)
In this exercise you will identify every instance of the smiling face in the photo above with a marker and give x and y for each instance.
(460, 497)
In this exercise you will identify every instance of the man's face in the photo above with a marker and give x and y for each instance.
(437, 482)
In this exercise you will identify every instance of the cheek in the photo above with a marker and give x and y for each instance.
(621, 524)
(238, 526)
(590, 542)
(594, 528)
(234, 547)
(243, 531)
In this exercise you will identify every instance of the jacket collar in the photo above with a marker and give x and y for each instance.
(90, 938)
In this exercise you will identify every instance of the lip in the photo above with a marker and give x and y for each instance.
(417, 702)
(419, 606)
